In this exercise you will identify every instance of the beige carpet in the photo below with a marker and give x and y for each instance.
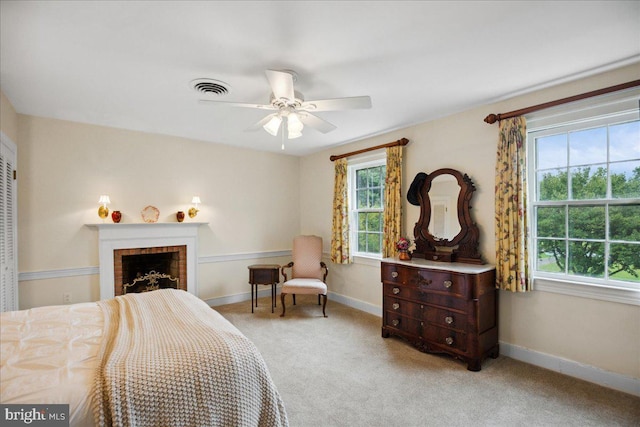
(338, 371)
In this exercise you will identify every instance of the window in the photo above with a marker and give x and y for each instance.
(584, 183)
(366, 206)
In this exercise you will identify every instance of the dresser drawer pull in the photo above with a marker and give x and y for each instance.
(395, 322)
(396, 306)
(395, 291)
(449, 341)
(448, 320)
(447, 284)
(394, 274)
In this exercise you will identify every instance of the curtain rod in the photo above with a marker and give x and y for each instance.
(492, 118)
(403, 142)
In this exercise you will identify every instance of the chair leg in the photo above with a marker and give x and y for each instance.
(294, 299)
(324, 305)
(282, 301)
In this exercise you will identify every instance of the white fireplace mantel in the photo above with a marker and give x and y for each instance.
(137, 235)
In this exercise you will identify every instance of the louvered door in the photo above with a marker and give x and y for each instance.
(8, 227)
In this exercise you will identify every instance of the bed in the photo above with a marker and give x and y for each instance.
(158, 358)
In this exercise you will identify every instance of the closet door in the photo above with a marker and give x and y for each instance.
(8, 226)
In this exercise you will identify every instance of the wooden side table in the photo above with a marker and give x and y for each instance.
(263, 274)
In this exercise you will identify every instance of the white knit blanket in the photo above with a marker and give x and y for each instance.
(168, 359)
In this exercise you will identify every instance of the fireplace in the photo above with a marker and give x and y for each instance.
(147, 269)
(122, 240)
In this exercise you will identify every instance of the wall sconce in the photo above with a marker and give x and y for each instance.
(103, 211)
(194, 210)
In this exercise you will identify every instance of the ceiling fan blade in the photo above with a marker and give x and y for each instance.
(261, 123)
(238, 104)
(315, 122)
(281, 84)
(352, 103)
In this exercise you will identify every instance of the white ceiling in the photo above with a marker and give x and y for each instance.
(129, 64)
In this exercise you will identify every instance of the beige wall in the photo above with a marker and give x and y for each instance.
(8, 118)
(597, 333)
(249, 199)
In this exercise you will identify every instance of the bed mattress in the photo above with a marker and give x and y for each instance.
(49, 355)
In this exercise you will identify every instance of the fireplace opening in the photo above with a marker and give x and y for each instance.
(147, 269)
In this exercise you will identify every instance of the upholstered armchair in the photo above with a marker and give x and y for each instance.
(308, 272)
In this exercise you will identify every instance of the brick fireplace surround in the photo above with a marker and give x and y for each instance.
(112, 237)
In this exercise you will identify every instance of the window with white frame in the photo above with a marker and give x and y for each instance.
(366, 205)
(584, 185)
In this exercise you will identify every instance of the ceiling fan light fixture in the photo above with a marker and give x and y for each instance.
(294, 126)
(294, 123)
(273, 125)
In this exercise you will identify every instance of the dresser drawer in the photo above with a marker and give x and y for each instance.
(401, 323)
(445, 337)
(403, 307)
(445, 318)
(443, 282)
(394, 273)
(420, 297)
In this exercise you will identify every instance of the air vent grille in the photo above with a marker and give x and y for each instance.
(210, 87)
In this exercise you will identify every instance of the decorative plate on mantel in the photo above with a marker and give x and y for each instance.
(150, 214)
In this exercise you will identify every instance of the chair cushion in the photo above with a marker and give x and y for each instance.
(307, 255)
(304, 287)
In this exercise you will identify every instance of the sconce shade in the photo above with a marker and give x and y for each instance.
(103, 211)
(194, 210)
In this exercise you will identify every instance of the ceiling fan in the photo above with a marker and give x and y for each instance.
(292, 112)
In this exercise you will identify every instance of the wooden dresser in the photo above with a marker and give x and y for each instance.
(440, 307)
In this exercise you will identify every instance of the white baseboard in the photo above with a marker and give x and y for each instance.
(356, 303)
(244, 296)
(574, 369)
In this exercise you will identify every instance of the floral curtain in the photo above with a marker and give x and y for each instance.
(340, 253)
(512, 252)
(392, 202)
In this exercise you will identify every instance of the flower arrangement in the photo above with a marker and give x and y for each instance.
(403, 244)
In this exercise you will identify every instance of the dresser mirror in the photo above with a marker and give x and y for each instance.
(445, 231)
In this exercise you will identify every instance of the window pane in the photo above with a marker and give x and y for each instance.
(588, 146)
(374, 243)
(625, 180)
(624, 262)
(375, 176)
(551, 151)
(374, 221)
(551, 255)
(375, 198)
(552, 185)
(589, 182)
(362, 221)
(551, 222)
(586, 222)
(362, 242)
(361, 178)
(624, 141)
(586, 259)
(362, 199)
(624, 223)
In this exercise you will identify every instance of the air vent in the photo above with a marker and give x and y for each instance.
(210, 87)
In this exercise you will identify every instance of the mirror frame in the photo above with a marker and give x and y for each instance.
(463, 247)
